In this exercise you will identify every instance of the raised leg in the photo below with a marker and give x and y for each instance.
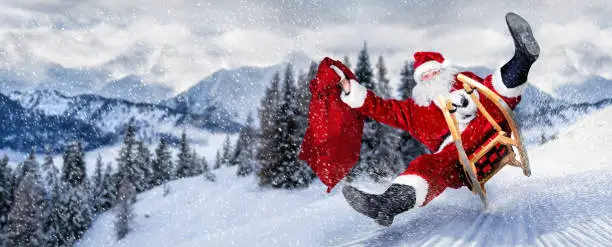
(514, 72)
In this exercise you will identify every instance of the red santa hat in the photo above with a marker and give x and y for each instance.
(424, 61)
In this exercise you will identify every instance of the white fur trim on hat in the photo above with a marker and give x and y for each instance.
(418, 71)
(420, 185)
(501, 88)
(357, 95)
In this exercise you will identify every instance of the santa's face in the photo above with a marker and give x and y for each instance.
(432, 83)
(430, 74)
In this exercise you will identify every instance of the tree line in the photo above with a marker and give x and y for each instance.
(271, 151)
(41, 205)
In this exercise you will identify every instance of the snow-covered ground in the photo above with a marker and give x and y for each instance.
(566, 202)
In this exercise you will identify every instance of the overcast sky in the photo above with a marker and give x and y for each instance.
(188, 40)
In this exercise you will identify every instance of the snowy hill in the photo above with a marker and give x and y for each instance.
(565, 202)
(245, 87)
(109, 117)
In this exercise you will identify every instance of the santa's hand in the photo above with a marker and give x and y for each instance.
(344, 83)
(465, 108)
(459, 100)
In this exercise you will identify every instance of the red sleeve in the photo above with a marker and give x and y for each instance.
(392, 112)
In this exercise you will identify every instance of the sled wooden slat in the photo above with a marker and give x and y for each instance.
(468, 166)
(476, 156)
(507, 140)
(481, 108)
(508, 115)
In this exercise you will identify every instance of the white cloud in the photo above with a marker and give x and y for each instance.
(190, 39)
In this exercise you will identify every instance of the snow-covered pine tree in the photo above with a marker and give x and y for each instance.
(303, 97)
(217, 160)
(367, 160)
(386, 160)
(162, 163)
(195, 164)
(382, 87)
(5, 192)
(97, 182)
(124, 212)
(207, 173)
(407, 82)
(363, 71)
(73, 170)
(97, 176)
(50, 173)
(76, 212)
(303, 104)
(268, 152)
(26, 166)
(53, 216)
(75, 201)
(107, 190)
(183, 163)
(244, 155)
(408, 147)
(143, 163)
(347, 62)
(238, 148)
(226, 155)
(288, 172)
(52, 188)
(25, 224)
(204, 164)
(127, 161)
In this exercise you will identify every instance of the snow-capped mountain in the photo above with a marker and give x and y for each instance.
(565, 202)
(134, 89)
(109, 117)
(77, 81)
(237, 90)
(131, 75)
(73, 81)
(595, 88)
(542, 117)
(22, 129)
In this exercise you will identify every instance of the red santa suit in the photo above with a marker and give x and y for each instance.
(431, 174)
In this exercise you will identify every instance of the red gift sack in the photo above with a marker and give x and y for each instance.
(332, 141)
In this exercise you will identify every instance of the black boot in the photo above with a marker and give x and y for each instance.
(514, 73)
(383, 208)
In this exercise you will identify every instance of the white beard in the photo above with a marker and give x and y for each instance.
(424, 92)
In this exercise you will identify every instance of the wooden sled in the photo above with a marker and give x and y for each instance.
(501, 146)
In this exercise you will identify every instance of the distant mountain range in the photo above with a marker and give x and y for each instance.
(218, 103)
(238, 90)
(42, 118)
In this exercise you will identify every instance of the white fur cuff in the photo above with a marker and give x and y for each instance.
(420, 185)
(357, 95)
(501, 88)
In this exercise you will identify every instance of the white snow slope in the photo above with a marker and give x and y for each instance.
(566, 202)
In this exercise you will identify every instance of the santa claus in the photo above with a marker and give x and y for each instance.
(429, 175)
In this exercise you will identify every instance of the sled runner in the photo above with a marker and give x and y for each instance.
(501, 146)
